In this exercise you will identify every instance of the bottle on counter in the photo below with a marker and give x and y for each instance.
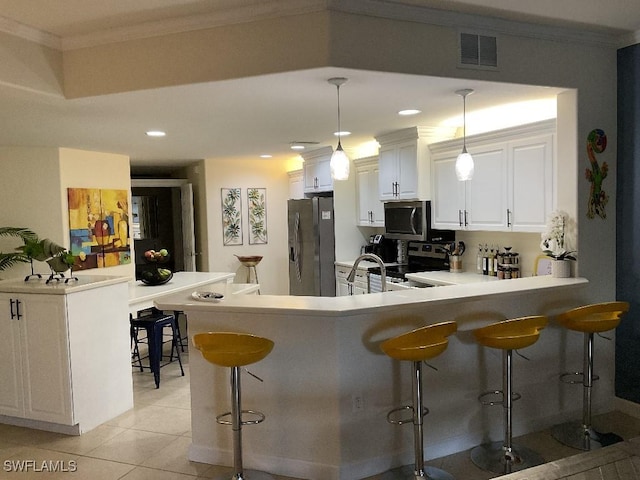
(479, 260)
(485, 260)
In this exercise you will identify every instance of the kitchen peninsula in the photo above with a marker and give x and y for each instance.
(327, 387)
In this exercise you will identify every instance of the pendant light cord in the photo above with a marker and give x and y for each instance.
(339, 130)
(464, 123)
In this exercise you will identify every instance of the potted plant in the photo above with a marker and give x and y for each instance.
(557, 243)
(56, 256)
(8, 260)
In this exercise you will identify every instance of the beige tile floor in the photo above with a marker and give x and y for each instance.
(151, 441)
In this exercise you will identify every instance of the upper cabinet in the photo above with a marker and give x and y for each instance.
(370, 211)
(296, 184)
(317, 170)
(404, 164)
(512, 185)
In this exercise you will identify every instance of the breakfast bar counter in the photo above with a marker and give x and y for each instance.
(328, 387)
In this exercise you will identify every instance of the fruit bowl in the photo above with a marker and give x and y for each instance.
(156, 276)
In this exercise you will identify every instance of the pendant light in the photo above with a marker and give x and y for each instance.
(464, 162)
(339, 161)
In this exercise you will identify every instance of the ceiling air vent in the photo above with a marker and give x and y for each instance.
(478, 50)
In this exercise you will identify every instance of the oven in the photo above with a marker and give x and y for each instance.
(421, 257)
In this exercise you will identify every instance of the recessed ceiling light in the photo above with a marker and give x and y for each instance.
(409, 111)
(342, 134)
(297, 147)
(266, 155)
(156, 133)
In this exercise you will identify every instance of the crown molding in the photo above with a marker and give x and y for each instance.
(229, 16)
(391, 9)
(31, 34)
(410, 12)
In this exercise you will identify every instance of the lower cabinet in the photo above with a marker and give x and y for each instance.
(65, 357)
(34, 358)
(360, 284)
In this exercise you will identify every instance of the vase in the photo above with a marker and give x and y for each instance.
(560, 268)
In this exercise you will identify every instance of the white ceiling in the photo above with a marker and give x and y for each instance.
(252, 116)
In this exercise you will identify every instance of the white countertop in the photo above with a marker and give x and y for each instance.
(359, 304)
(142, 296)
(449, 278)
(40, 286)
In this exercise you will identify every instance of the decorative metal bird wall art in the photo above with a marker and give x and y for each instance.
(596, 143)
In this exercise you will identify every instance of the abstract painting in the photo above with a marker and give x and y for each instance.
(99, 227)
(257, 201)
(231, 220)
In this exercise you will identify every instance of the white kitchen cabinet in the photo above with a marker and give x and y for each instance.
(512, 185)
(531, 183)
(360, 283)
(296, 184)
(477, 204)
(370, 210)
(317, 170)
(36, 358)
(64, 354)
(404, 164)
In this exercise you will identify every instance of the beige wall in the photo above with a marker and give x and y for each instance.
(273, 270)
(30, 197)
(83, 169)
(33, 193)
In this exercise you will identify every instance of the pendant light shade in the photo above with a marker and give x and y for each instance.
(339, 160)
(464, 162)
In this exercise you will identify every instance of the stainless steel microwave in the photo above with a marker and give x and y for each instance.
(412, 221)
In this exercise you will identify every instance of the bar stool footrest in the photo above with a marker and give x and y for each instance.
(569, 377)
(482, 398)
(402, 421)
(259, 418)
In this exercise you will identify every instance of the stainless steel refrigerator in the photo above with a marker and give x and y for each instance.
(311, 247)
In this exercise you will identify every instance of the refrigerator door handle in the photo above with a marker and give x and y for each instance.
(296, 247)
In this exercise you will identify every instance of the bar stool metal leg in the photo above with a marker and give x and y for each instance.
(236, 425)
(418, 470)
(504, 457)
(578, 435)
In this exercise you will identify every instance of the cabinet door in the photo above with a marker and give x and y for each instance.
(486, 193)
(317, 175)
(531, 165)
(296, 184)
(448, 194)
(370, 208)
(45, 359)
(407, 171)
(323, 172)
(11, 398)
(388, 165)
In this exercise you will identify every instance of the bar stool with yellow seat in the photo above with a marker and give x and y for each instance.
(235, 350)
(589, 319)
(417, 346)
(508, 335)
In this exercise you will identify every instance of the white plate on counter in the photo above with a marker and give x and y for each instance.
(205, 296)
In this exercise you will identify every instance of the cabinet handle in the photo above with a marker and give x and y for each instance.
(460, 217)
(315, 182)
(15, 315)
(508, 217)
(397, 186)
(465, 219)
